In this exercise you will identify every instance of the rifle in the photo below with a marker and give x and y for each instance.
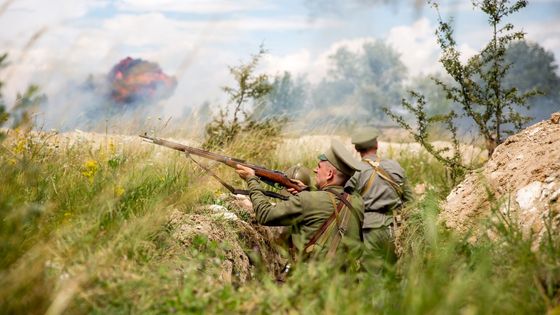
(268, 176)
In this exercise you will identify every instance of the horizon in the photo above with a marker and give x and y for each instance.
(59, 47)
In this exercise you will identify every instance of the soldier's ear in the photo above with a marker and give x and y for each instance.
(332, 173)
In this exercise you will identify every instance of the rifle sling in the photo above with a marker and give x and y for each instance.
(324, 227)
(236, 191)
(341, 229)
(349, 205)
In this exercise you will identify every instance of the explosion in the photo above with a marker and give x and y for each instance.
(136, 81)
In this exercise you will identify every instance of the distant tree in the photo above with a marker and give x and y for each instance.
(532, 67)
(368, 80)
(437, 103)
(286, 98)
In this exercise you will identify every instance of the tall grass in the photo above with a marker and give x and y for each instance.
(85, 228)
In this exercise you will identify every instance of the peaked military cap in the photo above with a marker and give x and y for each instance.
(342, 159)
(365, 138)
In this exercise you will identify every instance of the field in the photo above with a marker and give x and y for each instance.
(87, 226)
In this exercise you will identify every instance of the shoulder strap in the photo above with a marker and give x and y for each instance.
(389, 179)
(378, 170)
(344, 199)
(371, 179)
(342, 228)
(321, 231)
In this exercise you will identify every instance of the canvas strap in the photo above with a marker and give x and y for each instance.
(378, 170)
(341, 216)
(309, 247)
(375, 166)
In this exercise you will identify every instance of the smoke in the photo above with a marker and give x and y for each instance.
(333, 7)
(136, 82)
(132, 88)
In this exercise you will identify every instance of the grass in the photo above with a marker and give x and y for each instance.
(85, 228)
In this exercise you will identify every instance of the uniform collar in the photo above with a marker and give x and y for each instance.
(336, 188)
(372, 157)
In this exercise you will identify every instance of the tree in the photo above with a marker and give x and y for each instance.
(367, 81)
(439, 103)
(286, 98)
(478, 88)
(249, 94)
(532, 67)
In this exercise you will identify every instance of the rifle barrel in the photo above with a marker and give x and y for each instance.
(262, 172)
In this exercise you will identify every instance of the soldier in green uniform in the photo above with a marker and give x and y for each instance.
(384, 189)
(324, 223)
(301, 175)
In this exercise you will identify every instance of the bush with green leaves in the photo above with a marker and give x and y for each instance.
(477, 91)
(237, 116)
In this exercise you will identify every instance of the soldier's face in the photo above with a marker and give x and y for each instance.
(323, 173)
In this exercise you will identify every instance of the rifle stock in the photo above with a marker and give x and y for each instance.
(265, 174)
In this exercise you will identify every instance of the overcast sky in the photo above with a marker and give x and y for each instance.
(52, 43)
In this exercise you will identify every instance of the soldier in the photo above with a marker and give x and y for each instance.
(384, 189)
(320, 220)
(301, 175)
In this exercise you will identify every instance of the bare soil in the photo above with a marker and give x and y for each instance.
(522, 178)
(250, 248)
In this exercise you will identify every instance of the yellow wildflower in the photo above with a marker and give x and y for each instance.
(20, 146)
(119, 191)
(89, 169)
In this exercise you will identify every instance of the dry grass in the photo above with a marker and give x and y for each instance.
(85, 228)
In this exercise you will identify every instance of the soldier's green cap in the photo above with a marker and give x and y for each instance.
(365, 138)
(342, 159)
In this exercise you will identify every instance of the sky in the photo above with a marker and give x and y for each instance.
(57, 44)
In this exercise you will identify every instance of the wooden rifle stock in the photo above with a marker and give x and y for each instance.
(267, 175)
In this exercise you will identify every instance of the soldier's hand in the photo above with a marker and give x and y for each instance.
(294, 191)
(244, 172)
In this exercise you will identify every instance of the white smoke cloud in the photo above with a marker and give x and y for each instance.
(313, 65)
(417, 46)
(192, 6)
(547, 34)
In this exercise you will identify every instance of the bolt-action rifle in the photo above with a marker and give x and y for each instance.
(271, 177)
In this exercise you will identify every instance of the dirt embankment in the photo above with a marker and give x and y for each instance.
(523, 177)
(249, 248)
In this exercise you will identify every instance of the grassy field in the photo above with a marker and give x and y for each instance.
(85, 229)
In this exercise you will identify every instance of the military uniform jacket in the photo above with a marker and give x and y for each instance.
(381, 198)
(305, 213)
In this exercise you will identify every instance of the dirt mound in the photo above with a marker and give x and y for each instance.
(523, 175)
(248, 247)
